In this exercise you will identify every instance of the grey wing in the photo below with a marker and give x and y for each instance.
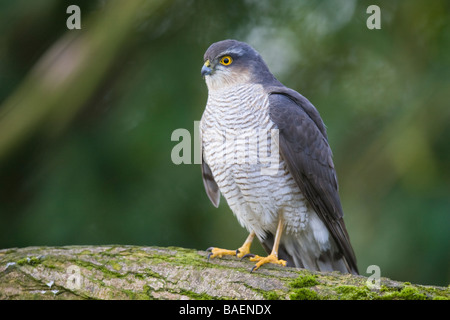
(211, 187)
(304, 147)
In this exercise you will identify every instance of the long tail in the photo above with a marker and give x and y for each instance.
(291, 250)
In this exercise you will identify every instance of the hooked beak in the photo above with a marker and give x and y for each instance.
(206, 70)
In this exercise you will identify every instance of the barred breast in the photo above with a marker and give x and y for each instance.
(239, 144)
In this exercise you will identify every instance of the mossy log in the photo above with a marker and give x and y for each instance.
(133, 272)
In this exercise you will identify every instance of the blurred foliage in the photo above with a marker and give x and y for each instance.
(86, 118)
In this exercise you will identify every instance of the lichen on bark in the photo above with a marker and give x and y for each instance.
(134, 272)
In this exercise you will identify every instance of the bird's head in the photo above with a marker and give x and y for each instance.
(231, 62)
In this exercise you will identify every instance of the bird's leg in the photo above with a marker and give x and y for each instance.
(273, 256)
(245, 248)
(242, 251)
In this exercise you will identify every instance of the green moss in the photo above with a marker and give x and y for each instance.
(271, 295)
(147, 290)
(103, 269)
(116, 266)
(440, 298)
(439, 293)
(348, 292)
(189, 257)
(139, 276)
(52, 264)
(136, 295)
(196, 296)
(304, 294)
(411, 293)
(31, 261)
(150, 273)
(182, 257)
(267, 294)
(407, 293)
(304, 281)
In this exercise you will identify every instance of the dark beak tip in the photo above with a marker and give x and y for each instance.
(206, 71)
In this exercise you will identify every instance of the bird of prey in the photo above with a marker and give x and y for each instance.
(291, 205)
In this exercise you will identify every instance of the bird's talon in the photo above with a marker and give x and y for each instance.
(248, 255)
(263, 260)
(217, 252)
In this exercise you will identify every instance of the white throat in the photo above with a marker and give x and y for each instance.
(224, 78)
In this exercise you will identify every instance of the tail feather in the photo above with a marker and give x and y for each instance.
(295, 255)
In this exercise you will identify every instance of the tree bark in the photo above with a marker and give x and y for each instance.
(132, 272)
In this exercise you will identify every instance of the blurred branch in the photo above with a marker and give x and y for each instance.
(69, 73)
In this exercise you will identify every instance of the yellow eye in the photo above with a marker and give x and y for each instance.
(227, 60)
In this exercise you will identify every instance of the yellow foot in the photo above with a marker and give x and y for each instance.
(263, 260)
(244, 250)
(217, 252)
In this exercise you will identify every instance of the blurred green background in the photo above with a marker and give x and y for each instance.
(86, 118)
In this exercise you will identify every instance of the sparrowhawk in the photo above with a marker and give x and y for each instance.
(292, 204)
